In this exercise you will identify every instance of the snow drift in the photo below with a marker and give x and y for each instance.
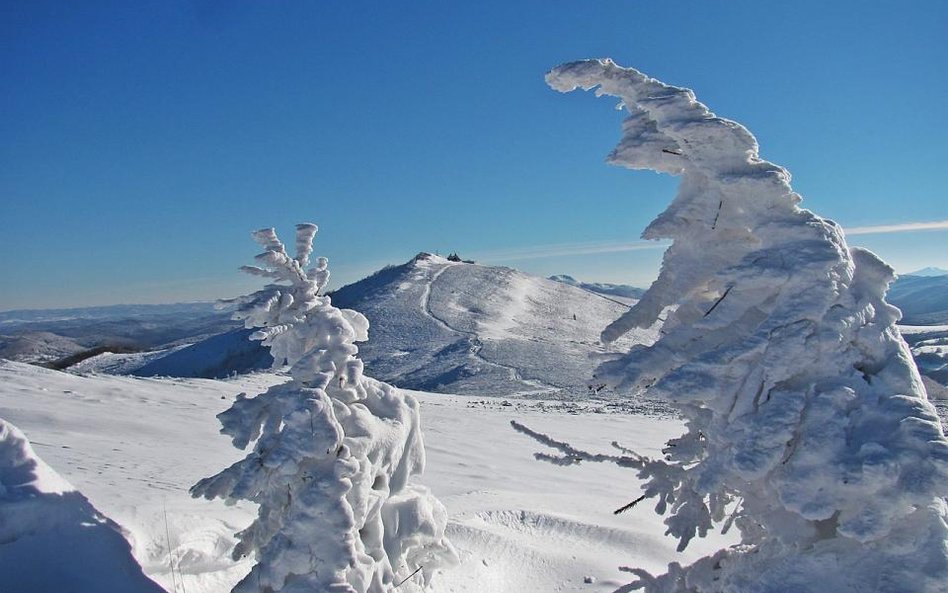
(51, 538)
(807, 422)
(133, 447)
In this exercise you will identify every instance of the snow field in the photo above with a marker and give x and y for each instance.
(45, 523)
(134, 446)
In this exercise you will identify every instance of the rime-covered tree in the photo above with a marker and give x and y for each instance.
(807, 423)
(333, 451)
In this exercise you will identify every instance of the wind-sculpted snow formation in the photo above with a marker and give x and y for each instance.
(51, 537)
(334, 451)
(807, 423)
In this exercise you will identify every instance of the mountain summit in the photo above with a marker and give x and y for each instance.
(439, 325)
(454, 327)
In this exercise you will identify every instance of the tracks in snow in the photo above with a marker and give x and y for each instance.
(476, 344)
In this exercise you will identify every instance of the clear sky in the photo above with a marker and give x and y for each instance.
(141, 142)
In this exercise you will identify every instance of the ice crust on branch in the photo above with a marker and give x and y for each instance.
(803, 407)
(334, 452)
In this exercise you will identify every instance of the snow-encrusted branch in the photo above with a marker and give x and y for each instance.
(570, 455)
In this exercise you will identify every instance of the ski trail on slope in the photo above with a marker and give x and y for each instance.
(426, 299)
(475, 350)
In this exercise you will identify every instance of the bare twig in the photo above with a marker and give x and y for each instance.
(622, 509)
(718, 215)
(174, 583)
(730, 520)
(718, 302)
(571, 455)
(408, 577)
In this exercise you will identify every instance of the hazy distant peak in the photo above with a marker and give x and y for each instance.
(929, 271)
(622, 290)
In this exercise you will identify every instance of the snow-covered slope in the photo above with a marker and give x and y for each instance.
(114, 363)
(51, 335)
(929, 345)
(466, 328)
(52, 539)
(434, 327)
(135, 445)
(453, 327)
(619, 290)
(37, 347)
(923, 300)
(213, 358)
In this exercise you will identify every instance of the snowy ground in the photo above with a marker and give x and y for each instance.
(929, 344)
(134, 446)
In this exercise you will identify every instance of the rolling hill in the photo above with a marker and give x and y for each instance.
(455, 327)
(922, 299)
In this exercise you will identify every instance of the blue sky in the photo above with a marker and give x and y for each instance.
(141, 142)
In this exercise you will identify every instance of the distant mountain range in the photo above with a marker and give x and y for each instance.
(619, 290)
(922, 299)
(436, 325)
(108, 312)
(38, 347)
(58, 337)
(929, 272)
(141, 326)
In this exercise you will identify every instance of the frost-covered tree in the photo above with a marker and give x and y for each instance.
(808, 426)
(333, 451)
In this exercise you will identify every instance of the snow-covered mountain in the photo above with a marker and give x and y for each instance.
(213, 358)
(435, 325)
(467, 328)
(59, 337)
(444, 326)
(619, 290)
(922, 299)
(38, 347)
(929, 271)
(458, 327)
(18, 317)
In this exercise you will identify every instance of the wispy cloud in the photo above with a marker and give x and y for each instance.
(936, 225)
(573, 249)
(567, 249)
